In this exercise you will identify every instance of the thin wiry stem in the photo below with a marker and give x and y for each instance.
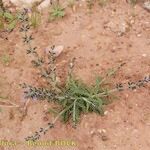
(50, 125)
(113, 71)
(103, 94)
(130, 85)
(63, 111)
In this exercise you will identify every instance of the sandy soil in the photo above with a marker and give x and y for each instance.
(99, 40)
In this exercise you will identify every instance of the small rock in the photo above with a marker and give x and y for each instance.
(132, 21)
(123, 28)
(120, 27)
(92, 132)
(104, 138)
(44, 4)
(45, 107)
(101, 131)
(57, 50)
(106, 112)
(58, 79)
(138, 35)
(74, 8)
(29, 3)
(147, 5)
(144, 55)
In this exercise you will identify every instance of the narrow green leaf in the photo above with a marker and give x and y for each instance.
(8, 15)
(50, 110)
(11, 25)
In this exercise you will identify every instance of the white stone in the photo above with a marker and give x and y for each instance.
(29, 3)
(106, 112)
(144, 55)
(147, 5)
(45, 4)
(56, 51)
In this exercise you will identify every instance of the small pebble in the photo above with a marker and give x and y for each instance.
(144, 55)
(104, 138)
(106, 112)
(92, 132)
(45, 107)
(138, 35)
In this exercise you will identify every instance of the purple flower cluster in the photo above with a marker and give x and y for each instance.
(133, 85)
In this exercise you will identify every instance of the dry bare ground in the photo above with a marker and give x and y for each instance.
(99, 40)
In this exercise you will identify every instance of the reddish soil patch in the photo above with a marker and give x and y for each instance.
(99, 40)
